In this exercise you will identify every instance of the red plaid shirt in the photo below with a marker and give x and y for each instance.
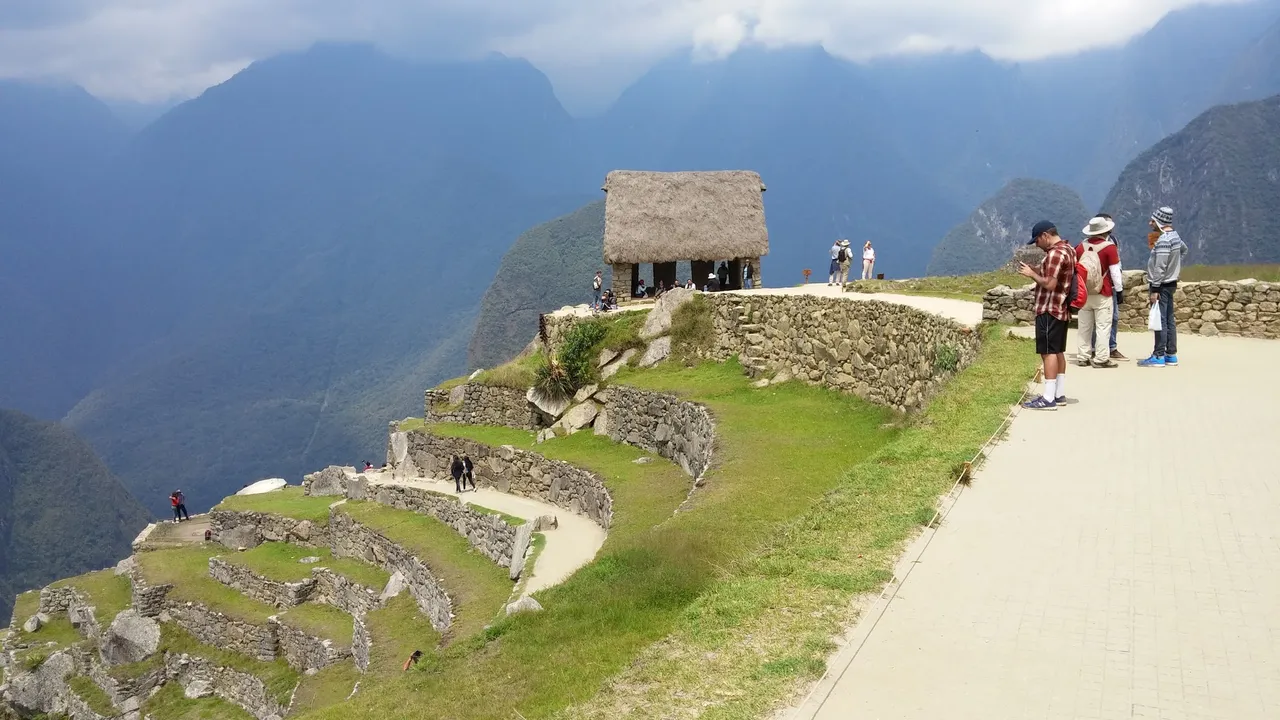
(1060, 263)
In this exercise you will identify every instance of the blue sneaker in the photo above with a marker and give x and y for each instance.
(1170, 359)
(1152, 361)
(1040, 404)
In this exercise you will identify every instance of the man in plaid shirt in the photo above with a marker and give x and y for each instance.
(1052, 313)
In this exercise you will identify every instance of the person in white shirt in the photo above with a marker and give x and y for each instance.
(868, 260)
(835, 263)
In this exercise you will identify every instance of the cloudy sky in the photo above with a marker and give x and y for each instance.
(150, 50)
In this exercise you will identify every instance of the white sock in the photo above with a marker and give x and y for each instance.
(1049, 387)
(1062, 384)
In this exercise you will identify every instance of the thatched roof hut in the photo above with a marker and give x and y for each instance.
(664, 217)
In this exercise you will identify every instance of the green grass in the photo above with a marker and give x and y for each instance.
(289, 502)
(452, 383)
(780, 450)
(279, 561)
(516, 374)
(397, 630)
(318, 620)
(171, 704)
(622, 330)
(1263, 273)
(24, 606)
(692, 329)
(956, 287)
(411, 424)
(511, 520)
(329, 686)
(94, 696)
(108, 593)
(765, 626)
(57, 630)
(187, 569)
(479, 588)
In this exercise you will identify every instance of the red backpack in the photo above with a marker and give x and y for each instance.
(1078, 290)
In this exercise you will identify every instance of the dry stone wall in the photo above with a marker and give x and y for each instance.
(213, 628)
(341, 592)
(518, 472)
(361, 644)
(149, 600)
(353, 539)
(680, 431)
(476, 404)
(200, 675)
(492, 536)
(58, 599)
(1243, 308)
(248, 529)
(304, 651)
(889, 354)
(258, 587)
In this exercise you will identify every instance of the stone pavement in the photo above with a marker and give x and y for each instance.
(1117, 558)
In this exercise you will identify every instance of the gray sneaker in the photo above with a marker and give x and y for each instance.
(1107, 364)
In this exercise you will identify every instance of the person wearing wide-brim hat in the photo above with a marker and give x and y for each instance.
(1102, 258)
(845, 256)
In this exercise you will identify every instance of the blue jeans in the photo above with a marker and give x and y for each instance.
(1115, 325)
(746, 283)
(595, 303)
(1167, 337)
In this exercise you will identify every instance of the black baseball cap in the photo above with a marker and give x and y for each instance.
(1039, 229)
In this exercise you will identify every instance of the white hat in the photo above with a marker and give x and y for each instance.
(1098, 226)
(844, 243)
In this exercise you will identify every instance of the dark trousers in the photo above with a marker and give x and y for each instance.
(469, 477)
(457, 483)
(1167, 337)
(182, 508)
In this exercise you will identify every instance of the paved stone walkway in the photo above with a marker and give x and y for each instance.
(1138, 580)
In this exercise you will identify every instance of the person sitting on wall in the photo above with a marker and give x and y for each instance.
(641, 290)
(713, 283)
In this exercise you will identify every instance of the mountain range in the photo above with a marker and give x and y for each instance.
(252, 284)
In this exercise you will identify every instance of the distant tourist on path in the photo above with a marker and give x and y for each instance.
(1101, 257)
(468, 473)
(1052, 313)
(1163, 269)
(868, 261)
(748, 276)
(596, 284)
(845, 258)
(456, 469)
(179, 503)
(723, 275)
(835, 263)
(1117, 297)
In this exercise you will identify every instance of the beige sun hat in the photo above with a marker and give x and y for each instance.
(1098, 226)
(844, 243)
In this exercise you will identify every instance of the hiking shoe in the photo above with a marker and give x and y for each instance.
(1083, 363)
(1152, 361)
(1117, 355)
(1170, 359)
(1107, 364)
(1061, 400)
(1040, 404)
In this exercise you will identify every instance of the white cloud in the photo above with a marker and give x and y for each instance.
(152, 49)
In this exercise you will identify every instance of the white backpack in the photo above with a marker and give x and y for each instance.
(1092, 265)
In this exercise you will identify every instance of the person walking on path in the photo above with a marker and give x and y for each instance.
(845, 257)
(1163, 269)
(1102, 259)
(456, 469)
(1117, 298)
(835, 263)
(1052, 314)
(868, 261)
(468, 473)
(596, 285)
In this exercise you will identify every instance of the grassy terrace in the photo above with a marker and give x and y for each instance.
(93, 695)
(478, 587)
(24, 606)
(280, 562)
(171, 704)
(1264, 273)
(323, 621)
(289, 502)
(107, 592)
(963, 287)
(187, 569)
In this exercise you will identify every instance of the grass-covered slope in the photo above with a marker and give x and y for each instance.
(288, 502)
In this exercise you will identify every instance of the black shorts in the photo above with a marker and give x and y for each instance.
(1051, 335)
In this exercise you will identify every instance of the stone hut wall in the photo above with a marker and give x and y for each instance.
(306, 652)
(213, 628)
(492, 536)
(889, 354)
(258, 587)
(517, 472)
(231, 685)
(1244, 308)
(248, 529)
(476, 404)
(352, 539)
(58, 599)
(680, 431)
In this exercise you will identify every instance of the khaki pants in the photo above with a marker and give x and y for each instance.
(867, 267)
(844, 273)
(1094, 321)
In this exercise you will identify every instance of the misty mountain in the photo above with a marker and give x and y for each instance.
(1221, 175)
(62, 512)
(987, 238)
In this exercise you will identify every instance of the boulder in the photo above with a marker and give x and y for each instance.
(457, 394)
(394, 587)
(263, 486)
(309, 560)
(125, 566)
(579, 416)
(240, 536)
(586, 393)
(550, 407)
(606, 357)
(601, 425)
(659, 321)
(475, 374)
(545, 522)
(329, 481)
(33, 624)
(657, 352)
(42, 690)
(612, 368)
(197, 689)
(524, 604)
(131, 638)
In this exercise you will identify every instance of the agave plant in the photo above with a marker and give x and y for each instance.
(552, 382)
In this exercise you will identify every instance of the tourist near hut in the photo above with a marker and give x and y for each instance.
(662, 218)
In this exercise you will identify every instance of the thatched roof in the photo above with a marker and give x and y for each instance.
(653, 217)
